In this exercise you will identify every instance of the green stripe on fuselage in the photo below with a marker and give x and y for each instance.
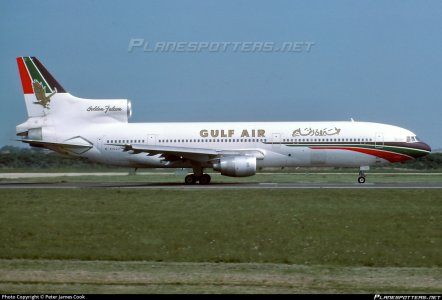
(413, 152)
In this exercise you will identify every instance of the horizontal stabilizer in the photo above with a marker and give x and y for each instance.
(64, 147)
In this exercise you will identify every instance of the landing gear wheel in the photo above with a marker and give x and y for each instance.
(205, 179)
(361, 179)
(190, 179)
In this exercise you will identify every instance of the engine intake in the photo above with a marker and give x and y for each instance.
(236, 166)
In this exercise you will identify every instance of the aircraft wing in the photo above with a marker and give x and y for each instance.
(172, 153)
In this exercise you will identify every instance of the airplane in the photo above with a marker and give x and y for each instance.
(99, 131)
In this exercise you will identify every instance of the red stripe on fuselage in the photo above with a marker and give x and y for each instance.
(390, 156)
(24, 76)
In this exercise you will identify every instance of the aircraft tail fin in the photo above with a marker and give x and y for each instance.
(38, 85)
(49, 106)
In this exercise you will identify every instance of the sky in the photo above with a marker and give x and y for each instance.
(377, 61)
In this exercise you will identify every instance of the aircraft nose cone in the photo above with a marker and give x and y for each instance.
(425, 146)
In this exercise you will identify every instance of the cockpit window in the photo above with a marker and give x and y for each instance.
(412, 139)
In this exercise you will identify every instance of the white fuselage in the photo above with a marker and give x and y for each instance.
(282, 144)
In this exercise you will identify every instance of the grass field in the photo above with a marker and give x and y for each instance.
(102, 240)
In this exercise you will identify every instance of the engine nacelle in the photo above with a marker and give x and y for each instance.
(236, 166)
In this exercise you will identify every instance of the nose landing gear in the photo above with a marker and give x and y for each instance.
(361, 178)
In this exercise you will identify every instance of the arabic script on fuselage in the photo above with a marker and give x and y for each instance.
(316, 132)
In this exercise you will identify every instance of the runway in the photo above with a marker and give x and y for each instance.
(216, 186)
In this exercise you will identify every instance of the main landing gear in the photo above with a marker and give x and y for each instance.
(197, 176)
(193, 179)
(361, 178)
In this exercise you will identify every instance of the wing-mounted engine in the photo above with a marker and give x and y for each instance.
(236, 166)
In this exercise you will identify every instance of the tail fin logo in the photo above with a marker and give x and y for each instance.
(40, 94)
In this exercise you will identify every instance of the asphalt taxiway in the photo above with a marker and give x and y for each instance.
(138, 185)
(106, 184)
